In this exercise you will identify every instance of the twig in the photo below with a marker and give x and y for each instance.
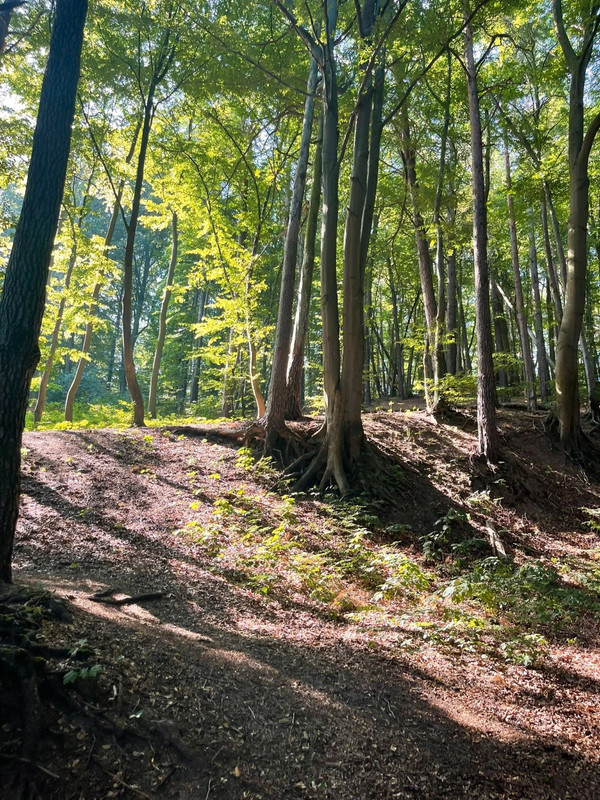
(31, 764)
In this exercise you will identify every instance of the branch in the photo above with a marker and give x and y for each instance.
(253, 62)
(563, 38)
(367, 74)
(311, 44)
(590, 135)
(433, 61)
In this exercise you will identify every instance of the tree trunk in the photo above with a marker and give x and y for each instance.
(296, 359)
(424, 255)
(489, 443)
(195, 385)
(542, 360)
(89, 328)
(277, 398)
(126, 302)
(40, 403)
(579, 145)
(24, 290)
(162, 321)
(452, 317)
(528, 368)
(139, 296)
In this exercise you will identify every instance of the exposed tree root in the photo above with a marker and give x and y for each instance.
(23, 673)
(580, 448)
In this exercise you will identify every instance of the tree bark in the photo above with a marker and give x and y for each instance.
(580, 142)
(162, 320)
(489, 443)
(40, 403)
(296, 359)
(274, 420)
(528, 368)
(24, 290)
(89, 328)
(423, 253)
(195, 384)
(540, 345)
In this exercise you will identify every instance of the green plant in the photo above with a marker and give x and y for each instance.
(439, 541)
(81, 674)
(80, 649)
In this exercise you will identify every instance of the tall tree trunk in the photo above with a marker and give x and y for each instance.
(161, 65)
(40, 403)
(439, 234)
(501, 335)
(528, 368)
(553, 284)
(540, 345)
(296, 359)
(357, 235)
(140, 294)
(274, 420)
(89, 328)
(114, 340)
(452, 316)
(590, 376)
(195, 385)
(24, 290)
(489, 443)
(424, 255)
(580, 142)
(162, 321)
(127, 299)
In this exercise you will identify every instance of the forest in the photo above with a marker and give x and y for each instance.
(299, 405)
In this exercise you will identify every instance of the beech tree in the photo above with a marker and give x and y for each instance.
(23, 294)
(580, 141)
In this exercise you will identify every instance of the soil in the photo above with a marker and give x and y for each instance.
(213, 688)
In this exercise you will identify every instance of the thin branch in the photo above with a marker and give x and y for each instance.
(433, 61)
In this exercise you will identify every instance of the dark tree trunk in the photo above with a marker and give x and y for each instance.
(580, 141)
(274, 420)
(489, 443)
(24, 291)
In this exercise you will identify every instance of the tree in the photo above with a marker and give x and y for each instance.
(486, 387)
(580, 141)
(277, 398)
(23, 295)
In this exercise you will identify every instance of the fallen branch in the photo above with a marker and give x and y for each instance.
(106, 598)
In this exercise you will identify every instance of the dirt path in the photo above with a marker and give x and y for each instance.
(217, 690)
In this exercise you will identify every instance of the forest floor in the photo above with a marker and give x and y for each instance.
(299, 647)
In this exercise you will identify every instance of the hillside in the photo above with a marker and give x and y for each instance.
(299, 647)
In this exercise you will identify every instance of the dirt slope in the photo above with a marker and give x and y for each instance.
(228, 687)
